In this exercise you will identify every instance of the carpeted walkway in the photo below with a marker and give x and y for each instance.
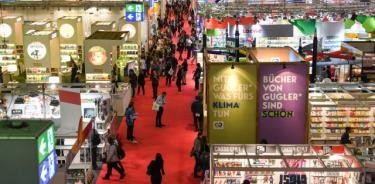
(174, 141)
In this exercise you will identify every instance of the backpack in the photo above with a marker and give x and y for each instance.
(120, 152)
(150, 168)
(96, 139)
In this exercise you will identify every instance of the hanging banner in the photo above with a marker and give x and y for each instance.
(232, 103)
(282, 103)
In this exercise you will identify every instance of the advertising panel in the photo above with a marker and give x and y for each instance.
(232, 103)
(282, 103)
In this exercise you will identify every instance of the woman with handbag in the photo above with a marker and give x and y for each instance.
(130, 117)
(156, 169)
(112, 159)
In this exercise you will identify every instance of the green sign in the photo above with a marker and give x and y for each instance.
(232, 103)
(134, 8)
(46, 143)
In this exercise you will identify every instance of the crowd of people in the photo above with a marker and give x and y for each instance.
(165, 59)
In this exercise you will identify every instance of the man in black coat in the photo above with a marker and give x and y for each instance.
(197, 110)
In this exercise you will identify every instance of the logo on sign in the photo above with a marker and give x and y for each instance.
(5, 30)
(67, 31)
(130, 28)
(218, 125)
(36, 50)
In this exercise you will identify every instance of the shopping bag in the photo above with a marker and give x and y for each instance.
(155, 106)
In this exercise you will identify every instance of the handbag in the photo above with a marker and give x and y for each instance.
(155, 106)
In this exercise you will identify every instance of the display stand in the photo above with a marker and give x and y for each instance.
(11, 47)
(81, 163)
(130, 51)
(334, 107)
(71, 40)
(28, 101)
(102, 50)
(103, 26)
(37, 26)
(42, 58)
(287, 164)
(30, 155)
(366, 52)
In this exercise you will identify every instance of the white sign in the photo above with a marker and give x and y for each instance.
(5, 30)
(66, 31)
(36, 50)
(129, 27)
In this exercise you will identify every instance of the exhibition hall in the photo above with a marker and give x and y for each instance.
(187, 91)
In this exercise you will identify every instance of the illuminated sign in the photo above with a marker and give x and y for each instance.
(66, 31)
(134, 12)
(36, 50)
(5, 30)
(46, 143)
(97, 55)
(48, 168)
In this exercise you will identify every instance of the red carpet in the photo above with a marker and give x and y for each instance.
(174, 141)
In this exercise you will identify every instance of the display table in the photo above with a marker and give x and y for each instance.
(286, 164)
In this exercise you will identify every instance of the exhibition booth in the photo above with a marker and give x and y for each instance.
(42, 56)
(71, 43)
(287, 164)
(264, 98)
(102, 50)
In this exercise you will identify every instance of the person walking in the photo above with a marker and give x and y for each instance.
(156, 169)
(345, 137)
(155, 83)
(133, 81)
(184, 71)
(196, 152)
(197, 76)
(95, 141)
(168, 72)
(160, 101)
(74, 70)
(141, 82)
(179, 78)
(131, 116)
(197, 110)
(112, 159)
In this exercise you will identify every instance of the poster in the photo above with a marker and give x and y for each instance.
(282, 103)
(232, 103)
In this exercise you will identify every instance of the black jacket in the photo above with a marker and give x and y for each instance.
(197, 107)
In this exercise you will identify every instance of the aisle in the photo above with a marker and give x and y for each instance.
(174, 141)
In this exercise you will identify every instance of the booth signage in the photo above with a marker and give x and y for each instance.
(16, 111)
(282, 103)
(66, 31)
(46, 143)
(97, 55)
(36, 50)
(47, 169)
(273, 30)
(130, 28)
(5, 30)
(232, 103)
